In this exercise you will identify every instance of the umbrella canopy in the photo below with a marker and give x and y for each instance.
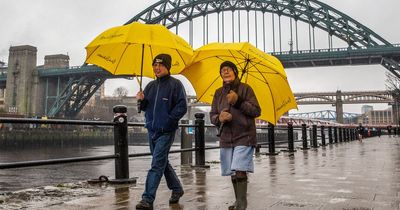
(130, 49)
(263, 72)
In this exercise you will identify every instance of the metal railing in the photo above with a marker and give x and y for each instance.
(318, 136)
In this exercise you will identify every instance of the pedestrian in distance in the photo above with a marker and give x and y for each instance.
(164, 103)
(235, 107)
(379, 131)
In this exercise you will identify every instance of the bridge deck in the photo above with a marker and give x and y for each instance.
(352, 175)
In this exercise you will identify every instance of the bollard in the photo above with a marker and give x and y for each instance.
(258, 148)
(330, 135)
(121, 146)
(314, 136)
(323, 135)
(304, 136)
(348, 134)
(199, 141)
(186, 142)
(335, 134)
(271, 140)
(290, 138)
(340, 134)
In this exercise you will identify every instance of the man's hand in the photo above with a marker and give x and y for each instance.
(225, 116)
(232, 97)
(140, 95)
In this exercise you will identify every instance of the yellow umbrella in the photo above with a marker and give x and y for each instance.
(130, 49)
(263, 72)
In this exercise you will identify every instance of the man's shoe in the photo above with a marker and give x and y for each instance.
(175, 196)
(144, 205)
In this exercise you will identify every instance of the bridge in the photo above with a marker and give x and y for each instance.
(325, 115)
(56, 89)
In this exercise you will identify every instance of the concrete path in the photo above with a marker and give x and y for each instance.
(351, 175)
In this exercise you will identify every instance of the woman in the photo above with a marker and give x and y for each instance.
(234, 110)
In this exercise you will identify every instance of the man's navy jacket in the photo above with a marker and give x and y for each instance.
(164, 103)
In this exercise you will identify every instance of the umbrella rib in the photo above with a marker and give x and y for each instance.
(261, 64)
(92, 53)
(180, 56)
(207, 88)
(120, 58)
(236, 59)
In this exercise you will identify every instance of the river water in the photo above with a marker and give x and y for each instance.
(30, 177)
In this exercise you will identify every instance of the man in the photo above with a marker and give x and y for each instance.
(164, 103)
(235, 108)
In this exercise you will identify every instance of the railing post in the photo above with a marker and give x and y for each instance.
(340, 135)
(290, 137)
(304, 136)
(348, 134)
(199, 140)
(271, 140)
(314, 136)
(335, 134)
(258, 148)
(186, 142)
(121, 146)
(330, 135)
(323, 135)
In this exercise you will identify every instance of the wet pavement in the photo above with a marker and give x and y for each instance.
(349, 176)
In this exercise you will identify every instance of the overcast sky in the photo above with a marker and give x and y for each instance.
(66, 27)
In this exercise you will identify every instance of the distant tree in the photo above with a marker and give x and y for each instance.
(393, 86)
(120, 92)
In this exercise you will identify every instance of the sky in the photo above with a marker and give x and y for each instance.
(66, 27)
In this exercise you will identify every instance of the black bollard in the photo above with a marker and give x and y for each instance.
(335, 134)
(199, 141)
(258, 148)
(314, 136)
(271, 140)
(340, 135)
(348, 134)
(323, 135)
(121, 146)
(304, 136)
(330, 135)
(290, 138)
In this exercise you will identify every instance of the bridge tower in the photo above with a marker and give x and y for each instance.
(20, 77)
(339, 107)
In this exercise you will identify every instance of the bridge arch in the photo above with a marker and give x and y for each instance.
(317, 14)
(326, 99)
(375, 97)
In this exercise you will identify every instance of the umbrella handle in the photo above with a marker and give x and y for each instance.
(139, 102)
(221, 127)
